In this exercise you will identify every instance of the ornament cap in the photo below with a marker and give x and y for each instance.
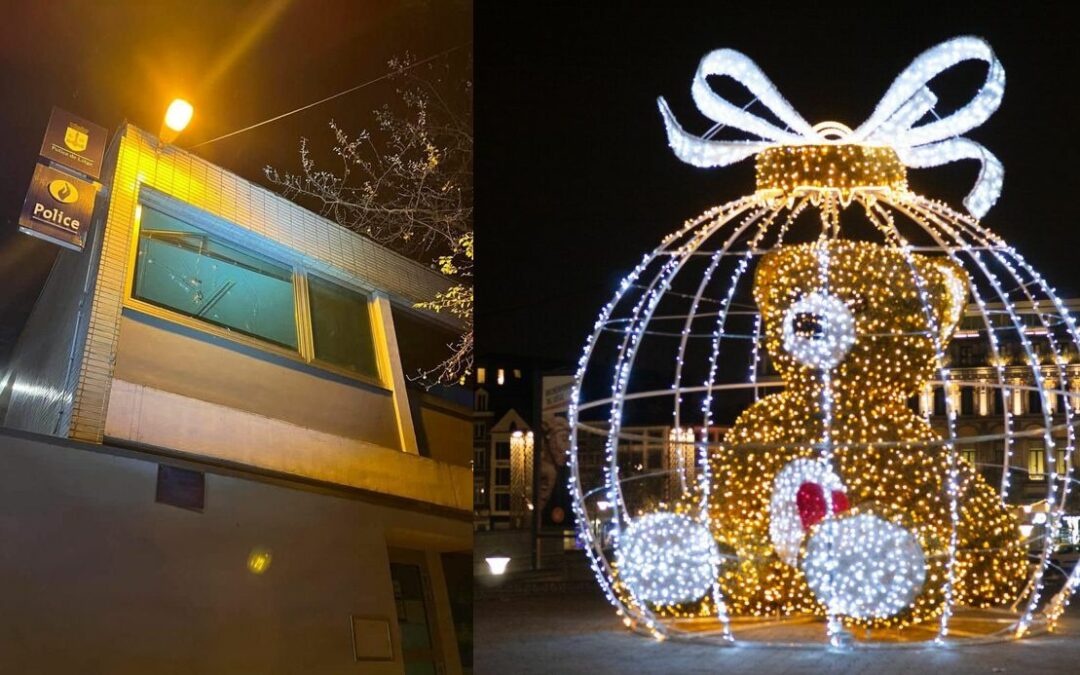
(843, 168)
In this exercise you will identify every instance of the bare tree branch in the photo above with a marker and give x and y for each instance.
(407, 183)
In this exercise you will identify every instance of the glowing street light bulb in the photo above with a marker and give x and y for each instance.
(497, 564)
(177, 117)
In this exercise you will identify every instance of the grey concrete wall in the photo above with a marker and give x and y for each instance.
(41, 380)
(98, 578)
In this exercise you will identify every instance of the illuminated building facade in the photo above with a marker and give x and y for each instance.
(221, 349)
(981, 406)
(501, 489)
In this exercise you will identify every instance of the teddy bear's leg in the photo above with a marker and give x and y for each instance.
(804, 492)
(863, 566)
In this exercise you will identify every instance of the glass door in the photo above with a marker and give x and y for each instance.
(414, 602)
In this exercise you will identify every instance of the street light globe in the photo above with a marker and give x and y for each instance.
(178, 116)
(497, 564)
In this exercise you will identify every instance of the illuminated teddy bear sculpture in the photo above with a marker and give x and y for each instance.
(832, 495)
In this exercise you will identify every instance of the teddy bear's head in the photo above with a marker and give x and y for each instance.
(866, 313)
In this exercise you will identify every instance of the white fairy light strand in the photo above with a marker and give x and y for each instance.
(1056, 504)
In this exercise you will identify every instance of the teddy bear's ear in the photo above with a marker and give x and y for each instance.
(951, 290)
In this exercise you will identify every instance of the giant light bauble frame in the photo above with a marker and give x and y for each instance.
(702, 271)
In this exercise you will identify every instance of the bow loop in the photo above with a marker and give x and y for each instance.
(913, 84)
(894, 121)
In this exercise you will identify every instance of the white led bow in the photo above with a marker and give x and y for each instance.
(893, 122)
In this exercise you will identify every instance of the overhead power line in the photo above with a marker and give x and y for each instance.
(350, 90)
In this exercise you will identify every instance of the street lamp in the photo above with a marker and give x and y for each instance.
(177, 117)
(497, 564)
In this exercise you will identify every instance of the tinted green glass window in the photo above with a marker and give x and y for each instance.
(184, 269)
(341, 327)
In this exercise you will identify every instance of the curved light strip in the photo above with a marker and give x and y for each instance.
(893, 123)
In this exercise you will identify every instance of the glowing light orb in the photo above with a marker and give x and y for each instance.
(668, 558)
(259, 560)
(864, 566)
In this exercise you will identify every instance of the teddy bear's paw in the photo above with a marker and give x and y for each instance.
(804, 493)
(667, 558)
(864, 566)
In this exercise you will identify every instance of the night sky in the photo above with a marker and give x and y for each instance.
(575, 180)
(237, 62)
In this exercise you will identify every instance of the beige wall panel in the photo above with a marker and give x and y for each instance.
(163, 419)
(198, 369)
(449, 436)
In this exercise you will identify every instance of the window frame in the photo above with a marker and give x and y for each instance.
(373, 324)
(301, 269)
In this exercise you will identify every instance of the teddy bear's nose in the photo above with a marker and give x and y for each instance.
(809, 325)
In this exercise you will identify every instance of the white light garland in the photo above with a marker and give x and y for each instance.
(667, 558)
(863, 566)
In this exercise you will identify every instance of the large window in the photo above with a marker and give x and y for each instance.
(188, 271)
(341, 327)
(192, 272)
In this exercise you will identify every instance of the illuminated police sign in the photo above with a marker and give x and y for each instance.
(58, 207)
(72, 142)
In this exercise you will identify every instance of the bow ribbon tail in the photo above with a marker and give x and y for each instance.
(987, 187)
(701, 152)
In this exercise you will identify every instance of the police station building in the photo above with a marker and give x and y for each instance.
(213, 458)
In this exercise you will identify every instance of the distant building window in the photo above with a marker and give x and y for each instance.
(186, 270)
(969, 455)
(502, 477)
(967, 401)
(502, 450)
(502, 502)
(500, 377)
(1036, 463)
(341, 327)
(481, 375)
(517, 373)
(1034, 403)
(939, 401)
(481, 401)
(479, 430)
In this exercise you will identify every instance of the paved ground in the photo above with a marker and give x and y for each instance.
(582, 635)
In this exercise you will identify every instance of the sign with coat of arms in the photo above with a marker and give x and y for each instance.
(74, 143)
